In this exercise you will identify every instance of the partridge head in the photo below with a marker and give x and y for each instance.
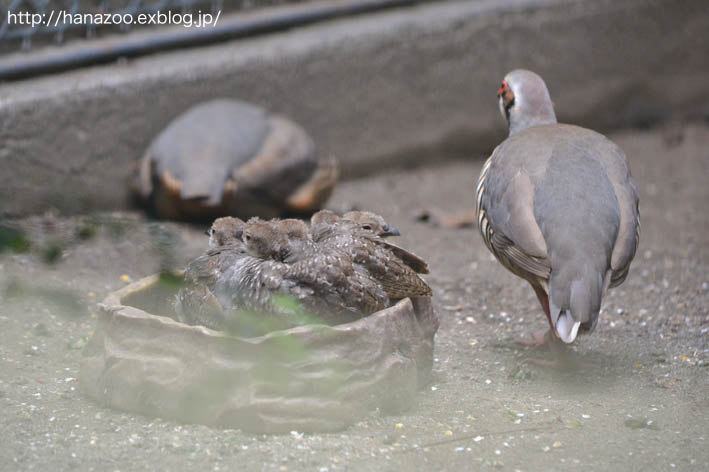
(373, 222)
(323, 217)
(524, 101)
(262, 240)
(279, 240)
(223, 231)
(296, 241)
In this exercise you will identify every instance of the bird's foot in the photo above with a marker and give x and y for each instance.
(538, 340)
(562, 358)
(549, 363)
(563, 362)
(436, 217)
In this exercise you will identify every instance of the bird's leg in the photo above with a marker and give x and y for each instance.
(541, 339)
(461, 219)
(561, 359)
(538, 339)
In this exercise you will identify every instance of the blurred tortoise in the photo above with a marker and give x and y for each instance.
(226, 157)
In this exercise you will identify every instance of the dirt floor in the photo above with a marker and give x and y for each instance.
(639, 399)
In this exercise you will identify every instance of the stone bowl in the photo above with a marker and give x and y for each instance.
(311, 378)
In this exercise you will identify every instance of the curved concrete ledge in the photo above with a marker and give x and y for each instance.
(395, 88)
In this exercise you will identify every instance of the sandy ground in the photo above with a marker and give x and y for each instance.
(640, 401)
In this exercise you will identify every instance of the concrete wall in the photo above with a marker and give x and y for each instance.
(402, 87)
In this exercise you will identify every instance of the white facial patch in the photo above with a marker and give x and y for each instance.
(501, 103)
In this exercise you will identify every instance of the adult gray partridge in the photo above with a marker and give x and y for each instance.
(557, 206)
(227, 157)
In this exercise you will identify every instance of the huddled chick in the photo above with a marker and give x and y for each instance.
(262, 275)
(196, 302)
(323, 220)
(368, 249)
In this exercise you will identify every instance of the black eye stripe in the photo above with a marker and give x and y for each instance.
(511, 102)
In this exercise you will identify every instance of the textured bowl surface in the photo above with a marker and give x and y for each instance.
(309, 378)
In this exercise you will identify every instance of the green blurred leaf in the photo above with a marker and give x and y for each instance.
(79, 343)
(13, 240)
(52, 252)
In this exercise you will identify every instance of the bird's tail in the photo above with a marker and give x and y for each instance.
(575, 303)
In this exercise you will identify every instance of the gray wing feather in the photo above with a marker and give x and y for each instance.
(626, 192)
(506, 214)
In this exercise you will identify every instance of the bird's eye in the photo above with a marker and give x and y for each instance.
(366, 227)
(247, 237)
